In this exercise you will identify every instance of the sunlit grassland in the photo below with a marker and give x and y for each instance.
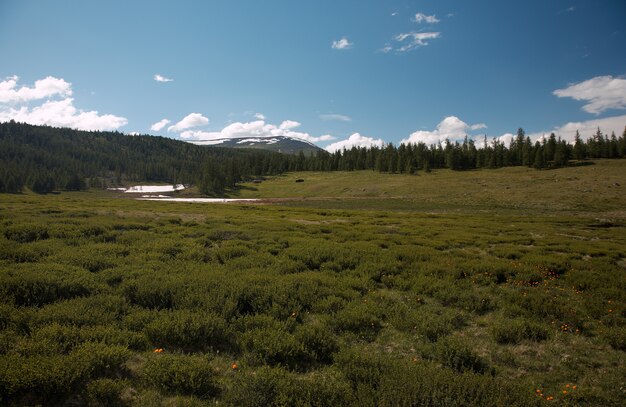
(572, 189)
(413, 293)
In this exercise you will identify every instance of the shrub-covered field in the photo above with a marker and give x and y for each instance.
(111, 301)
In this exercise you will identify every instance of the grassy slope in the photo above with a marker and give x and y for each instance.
(573, 189)
(539, 300)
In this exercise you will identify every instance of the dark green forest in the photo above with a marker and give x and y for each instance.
(45, 159)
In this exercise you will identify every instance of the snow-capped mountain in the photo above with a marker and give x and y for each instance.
(281, 144)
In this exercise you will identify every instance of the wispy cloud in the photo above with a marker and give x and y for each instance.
(160, 78)
(160, 124)
(259, 116)
(17, 104)
(355, 140)
(333, 116)
(256, 129)
(189, 121)
(342, 43)
(413, 40)
(602, 93)
(423, 18)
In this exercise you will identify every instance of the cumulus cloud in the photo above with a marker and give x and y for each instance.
(19, 104)
(413, 40)
(343, 43)
(160, 124)
(450, 128)
(44, 88)
(338, 117)
(586, 128)
(160, 78)
(355, 140)
(62, 113)
(255, 129)
(423, 18)
(189, 121)
(602, 93)
(259, 116)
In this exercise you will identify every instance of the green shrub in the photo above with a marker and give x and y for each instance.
(267, 386)
(39, 284)
(318, 341)
(513, 331)
(180, 374)
(275, 348)
(616, 337)
(359, 318)
(107, 392)
(457, 355)
(26, 233)
(189, 330)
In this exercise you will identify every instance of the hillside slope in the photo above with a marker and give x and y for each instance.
(596, 187)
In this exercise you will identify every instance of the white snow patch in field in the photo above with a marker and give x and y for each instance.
(155, 188)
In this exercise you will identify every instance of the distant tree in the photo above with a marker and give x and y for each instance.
(539, 161)
(75, 183)
(579, 147)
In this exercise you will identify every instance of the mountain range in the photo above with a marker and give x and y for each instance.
(279, 144)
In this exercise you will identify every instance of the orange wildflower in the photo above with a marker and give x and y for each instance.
(549, 398)
(234, 366)
(158, 350)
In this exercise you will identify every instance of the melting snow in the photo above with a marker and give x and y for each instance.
(155, 188)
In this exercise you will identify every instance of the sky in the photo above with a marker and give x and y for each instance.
(335, 73)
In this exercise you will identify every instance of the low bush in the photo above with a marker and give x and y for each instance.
(180, 374)
(514, 331)
(188, 330)
(459, 356)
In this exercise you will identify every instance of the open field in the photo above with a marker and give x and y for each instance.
(586, 189)
(503, 287)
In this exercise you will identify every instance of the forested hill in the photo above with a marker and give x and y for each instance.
(44, 159)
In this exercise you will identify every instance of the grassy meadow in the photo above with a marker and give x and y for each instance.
(481, 288)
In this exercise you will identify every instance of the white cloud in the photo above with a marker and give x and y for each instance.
(189, 121)
(387, 48)
(421, 17)
(333, 116)
(62, 113)
(478, 126)
(586, 129)
(160, 124)
(343, 43)
(355, 140)
(415, 40)
(602, 93)
(259, 116)
(256, 129)
(160, 78)
(44, 88)
(395, 13)
(450, 128)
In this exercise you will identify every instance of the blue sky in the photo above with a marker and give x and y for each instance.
(336, 73)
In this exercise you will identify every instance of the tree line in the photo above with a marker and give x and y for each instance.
(550, 152)
(45, 159)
